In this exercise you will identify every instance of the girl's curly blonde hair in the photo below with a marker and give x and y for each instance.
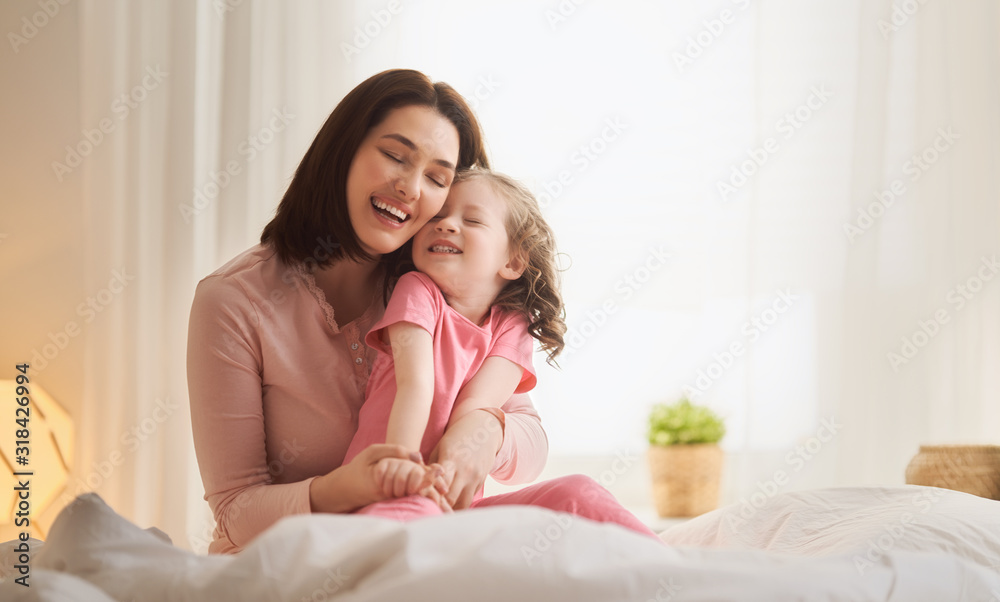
(536, 293)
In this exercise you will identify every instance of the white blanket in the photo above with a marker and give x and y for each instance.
(903, 544)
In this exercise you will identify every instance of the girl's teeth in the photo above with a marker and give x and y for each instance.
(398, 214)
(444, 249)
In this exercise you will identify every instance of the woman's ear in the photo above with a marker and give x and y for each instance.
(516, 264)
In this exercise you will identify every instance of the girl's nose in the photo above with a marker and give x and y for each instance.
(447, 224)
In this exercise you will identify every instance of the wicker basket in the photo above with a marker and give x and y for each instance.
(685, 478)
(973, 469)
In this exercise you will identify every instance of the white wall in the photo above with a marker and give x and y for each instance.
(41, 250)
(40, 256)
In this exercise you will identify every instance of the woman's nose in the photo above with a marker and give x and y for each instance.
(408, 186)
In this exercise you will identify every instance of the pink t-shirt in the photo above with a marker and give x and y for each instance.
(275, 386)
(460, 348)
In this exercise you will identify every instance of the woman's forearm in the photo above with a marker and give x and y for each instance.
(509, 444)
(243, 516)
(357, 483)
(525, 446)
(334, 492)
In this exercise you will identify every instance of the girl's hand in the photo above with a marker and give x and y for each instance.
(467, 452)
(434, 487)
(359, 482)
(399, 478)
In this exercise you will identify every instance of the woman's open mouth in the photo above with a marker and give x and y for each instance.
(388, 212)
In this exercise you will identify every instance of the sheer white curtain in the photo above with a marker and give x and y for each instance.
(912, 120)
(742, 138)
(926, 271)
(221, 100)
(630, 119)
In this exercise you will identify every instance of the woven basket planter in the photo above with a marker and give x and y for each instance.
(685, 478)
(973, 469)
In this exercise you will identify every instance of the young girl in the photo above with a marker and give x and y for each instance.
(456, 338)
(456, 335)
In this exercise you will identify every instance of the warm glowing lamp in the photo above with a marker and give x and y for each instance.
(50, 447)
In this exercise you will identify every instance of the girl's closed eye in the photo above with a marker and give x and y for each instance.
(392, 156)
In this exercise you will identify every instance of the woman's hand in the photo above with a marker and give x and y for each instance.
(360, 481)
(467, 452)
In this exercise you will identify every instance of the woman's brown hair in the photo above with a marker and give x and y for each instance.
(536, 292)
(311, 224)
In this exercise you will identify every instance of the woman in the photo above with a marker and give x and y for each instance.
(277, 364)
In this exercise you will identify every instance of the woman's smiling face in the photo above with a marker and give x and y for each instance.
(400, 176)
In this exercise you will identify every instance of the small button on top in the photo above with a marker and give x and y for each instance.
(357, 360)
(354, 345)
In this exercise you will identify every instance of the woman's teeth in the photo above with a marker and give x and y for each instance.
(444, 249)
(387, 208)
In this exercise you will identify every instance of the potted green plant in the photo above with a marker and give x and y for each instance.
(684, 458)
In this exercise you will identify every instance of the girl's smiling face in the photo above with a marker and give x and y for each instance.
(400, 177)
(464, 248)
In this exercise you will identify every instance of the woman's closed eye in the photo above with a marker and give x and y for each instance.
(436, 180)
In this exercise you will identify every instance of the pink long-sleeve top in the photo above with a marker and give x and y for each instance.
(276, 384)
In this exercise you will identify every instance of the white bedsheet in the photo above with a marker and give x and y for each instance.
(904, 544)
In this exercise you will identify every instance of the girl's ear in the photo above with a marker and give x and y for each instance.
(516, 264)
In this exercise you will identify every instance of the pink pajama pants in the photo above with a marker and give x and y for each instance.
(576, 494)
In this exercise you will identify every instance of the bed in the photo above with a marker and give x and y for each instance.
(902, 544)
